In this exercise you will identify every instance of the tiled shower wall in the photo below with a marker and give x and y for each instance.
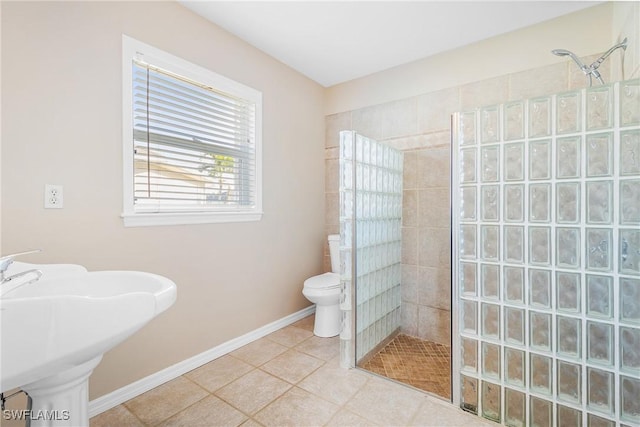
(420, 126)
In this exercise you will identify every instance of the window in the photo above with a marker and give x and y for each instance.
(192, 146)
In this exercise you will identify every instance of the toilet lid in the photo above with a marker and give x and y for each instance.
(323, 281)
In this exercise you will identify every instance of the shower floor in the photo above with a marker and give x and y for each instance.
(422, 364)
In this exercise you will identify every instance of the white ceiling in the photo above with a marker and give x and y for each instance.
(335, 41)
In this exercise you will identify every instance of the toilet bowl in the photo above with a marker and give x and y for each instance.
(324, 291)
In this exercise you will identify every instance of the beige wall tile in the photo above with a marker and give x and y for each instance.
(333, 125)
(538, 82)
(410, 170)
(410, 208)
(434, 287)
(433, 168)
(332, 175)
(433, 208)
(483, 93)
(434, 247)
(368, 121)
(399, 118)
(409, 315)
(435, 109)
(409, 246)
(409, 283)
(434, 324)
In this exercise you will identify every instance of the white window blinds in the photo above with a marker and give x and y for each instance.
(194, 147)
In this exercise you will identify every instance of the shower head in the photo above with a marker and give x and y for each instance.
(622, 44)
(564, 52)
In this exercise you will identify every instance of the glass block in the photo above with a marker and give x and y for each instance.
(568, 157)
(513, 121)
(468, 128)
(514, 244)
(469, 316)
(514, 366)
(568, 336)
(568, 202)
(491, 395)
(540, 373)
(599, 296)
(468, 165)
(599, 202)
(568, 112)
(540, 160)
(568, 247)
(540, 330)
(491, 321)
(490, 360)
(490, 275)
(541, 412)
(630, 300)
(600, 343)
(468, 203)
(489, 124)
(568, 292)
(629, 402)
(490, 160)
(468, 241)
(514, 325)
(630, 202)
(539, 245)
(539, 202)
(469, 394)
(514, 203)
(568, 417)
(599, 107)
(489, 202)
(629, 346)
(600, 392)
(598, 244)
(539, 117)
(514, 285)
(596, 421)
(599, 155)
(630, 251)
(540, 288)
(514, 162)
(469, 354)
(515, 408)
(468, 278)
(630, 102)
(569, 382)
(629, 152)
(490, 236)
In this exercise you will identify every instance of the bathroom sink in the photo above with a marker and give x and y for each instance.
(72, 316)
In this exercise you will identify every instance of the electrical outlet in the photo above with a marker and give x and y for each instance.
(53, 197)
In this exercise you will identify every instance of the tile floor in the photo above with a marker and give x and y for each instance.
(420, 363)
(288, 378)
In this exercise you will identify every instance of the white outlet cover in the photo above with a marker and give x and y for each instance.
(53, 196)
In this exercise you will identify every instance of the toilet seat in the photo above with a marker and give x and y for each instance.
(323, 281)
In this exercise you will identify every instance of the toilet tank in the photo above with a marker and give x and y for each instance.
(334, 251)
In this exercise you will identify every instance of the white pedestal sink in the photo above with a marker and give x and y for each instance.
(54, 332)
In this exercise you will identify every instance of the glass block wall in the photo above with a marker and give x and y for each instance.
(370, 232)
(546, 216)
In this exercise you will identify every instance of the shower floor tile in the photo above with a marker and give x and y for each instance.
(422, 364)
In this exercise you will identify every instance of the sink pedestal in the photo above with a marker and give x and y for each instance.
(62, 400)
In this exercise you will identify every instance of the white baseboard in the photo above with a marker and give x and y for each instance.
(121, 395)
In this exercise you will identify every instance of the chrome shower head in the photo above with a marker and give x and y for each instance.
(564, 52)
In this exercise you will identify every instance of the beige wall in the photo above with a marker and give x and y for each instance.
(61, 124)
(419, 124)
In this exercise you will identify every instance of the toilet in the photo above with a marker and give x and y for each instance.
(324, 291)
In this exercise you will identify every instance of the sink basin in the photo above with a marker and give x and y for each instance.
(72, 316)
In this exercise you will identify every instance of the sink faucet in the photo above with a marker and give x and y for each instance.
(7, 260)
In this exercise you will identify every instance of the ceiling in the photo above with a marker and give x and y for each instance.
(335, 41)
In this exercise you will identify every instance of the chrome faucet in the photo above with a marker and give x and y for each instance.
(7, 260)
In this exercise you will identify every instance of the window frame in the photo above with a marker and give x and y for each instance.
(133, 49)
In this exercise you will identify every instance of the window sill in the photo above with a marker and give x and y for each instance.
(155, 219)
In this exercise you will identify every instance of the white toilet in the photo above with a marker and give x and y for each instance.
(324, 291)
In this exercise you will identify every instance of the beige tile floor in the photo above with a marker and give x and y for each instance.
(288, 378)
